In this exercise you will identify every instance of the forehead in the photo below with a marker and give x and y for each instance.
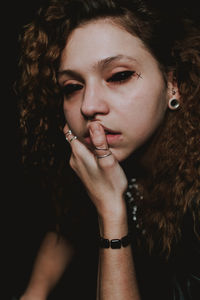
(99, 40)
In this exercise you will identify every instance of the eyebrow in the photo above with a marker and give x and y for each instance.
(104, 63)
(69, 73)
(109, 60)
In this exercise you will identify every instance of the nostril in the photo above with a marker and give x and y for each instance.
(90, 118)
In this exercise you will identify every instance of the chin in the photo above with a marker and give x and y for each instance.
(121, 155)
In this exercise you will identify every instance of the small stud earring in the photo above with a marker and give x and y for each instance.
(173, 104)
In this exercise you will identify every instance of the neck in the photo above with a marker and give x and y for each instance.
(142, 162)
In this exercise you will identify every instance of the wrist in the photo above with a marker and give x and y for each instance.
(112, 210)
(33, 295)
(114, 224)
(115, 243)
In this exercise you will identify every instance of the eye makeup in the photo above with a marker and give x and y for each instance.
(70, 89)
(122, 76)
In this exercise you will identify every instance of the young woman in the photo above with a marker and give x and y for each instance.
(128, 81)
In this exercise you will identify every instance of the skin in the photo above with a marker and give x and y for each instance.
(52, 259)
(141, 99)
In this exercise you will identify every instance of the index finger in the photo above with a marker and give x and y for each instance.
(78, 148)
(68, 134)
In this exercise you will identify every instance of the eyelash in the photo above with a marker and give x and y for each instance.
(119, 77)
(69, 89)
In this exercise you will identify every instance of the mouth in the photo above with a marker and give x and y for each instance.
(111, 136)
(109, 131)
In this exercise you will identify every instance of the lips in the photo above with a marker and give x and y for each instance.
(110, 131)
(107, 131)
(111, 136)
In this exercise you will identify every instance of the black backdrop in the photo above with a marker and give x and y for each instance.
(25, 207)
(23, 215)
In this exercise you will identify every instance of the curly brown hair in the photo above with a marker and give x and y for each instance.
(174, 185)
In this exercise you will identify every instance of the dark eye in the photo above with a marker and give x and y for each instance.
(69, 89)
(121, 76)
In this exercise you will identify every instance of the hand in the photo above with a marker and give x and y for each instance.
(104, 179)
(31, 297)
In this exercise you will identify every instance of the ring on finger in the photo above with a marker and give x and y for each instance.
(68, 133)
(73, 138)
(105, 155)
(69, 136)
(104, 149)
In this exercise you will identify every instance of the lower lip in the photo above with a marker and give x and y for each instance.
(111, 139)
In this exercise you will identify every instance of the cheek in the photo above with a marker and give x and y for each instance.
(71, 113)
(144, 109)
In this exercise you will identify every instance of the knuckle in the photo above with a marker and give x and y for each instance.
(65, 129)
(99, 141)
(76, 156)
(77, 152)
(107, 163)
(100, 144)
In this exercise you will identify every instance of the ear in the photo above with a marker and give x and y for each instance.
(173, 91)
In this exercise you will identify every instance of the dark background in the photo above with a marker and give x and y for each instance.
(25, 215)
(26, 208)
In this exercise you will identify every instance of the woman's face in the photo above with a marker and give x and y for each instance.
(108, 76)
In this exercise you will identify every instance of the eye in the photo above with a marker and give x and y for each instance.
(69, 89)
(121, 76)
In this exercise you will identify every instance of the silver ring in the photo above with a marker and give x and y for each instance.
(105, 155)
(73, 138)
(98, 148)
(68, 133)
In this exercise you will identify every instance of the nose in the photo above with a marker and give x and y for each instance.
(94, 101)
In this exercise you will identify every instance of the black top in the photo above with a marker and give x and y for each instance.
(177, 278)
